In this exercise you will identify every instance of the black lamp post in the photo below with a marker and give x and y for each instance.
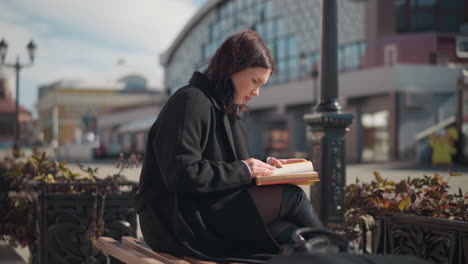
(328, 127)
(31, 47)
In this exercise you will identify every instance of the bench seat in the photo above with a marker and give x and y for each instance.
(135, 251)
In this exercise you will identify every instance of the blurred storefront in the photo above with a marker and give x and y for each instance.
(125, 129)
(69, 110)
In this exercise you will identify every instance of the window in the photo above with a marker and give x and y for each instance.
(222, 25)
(280, 29)
(313, 62)
(229, 8)
(238, 5)
(340, 58)
(261, 30)
(229, 23)
(268, 9)
(292, 46)
(429, 15)
(205, 50)
(272, 47)
(293, 68)
(348, 57)
(423, 3)
(282, 48)
(307, 63)
(223, 11)
(282, 71)
(213, 31)
(400, 3)
(269, 29)
(258, 7)
(2, 88)
(356, 56)
(401, 15)
(450, 23)
(452, 4)
(422, 21)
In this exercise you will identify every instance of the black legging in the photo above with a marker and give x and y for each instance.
(283, 209)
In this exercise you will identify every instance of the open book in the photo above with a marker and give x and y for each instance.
(296, 173)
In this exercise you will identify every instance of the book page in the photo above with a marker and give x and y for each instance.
(305, 166)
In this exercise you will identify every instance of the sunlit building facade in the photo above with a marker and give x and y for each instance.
(69, 110)
(388, 54)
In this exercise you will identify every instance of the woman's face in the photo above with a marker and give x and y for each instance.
(247, 83)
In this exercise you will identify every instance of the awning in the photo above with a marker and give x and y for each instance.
(143, 124)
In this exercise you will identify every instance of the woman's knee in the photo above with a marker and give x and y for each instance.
(267, 200)
(296, 207)
(294, 200)
(293, 191)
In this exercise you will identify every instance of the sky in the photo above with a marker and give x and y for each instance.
(78, 39)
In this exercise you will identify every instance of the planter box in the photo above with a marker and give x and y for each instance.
(63, 220)
(434, 239)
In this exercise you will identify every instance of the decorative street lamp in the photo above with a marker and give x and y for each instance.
(328, 127)
(31, 47)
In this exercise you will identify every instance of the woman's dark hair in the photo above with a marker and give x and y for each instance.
(238, 52)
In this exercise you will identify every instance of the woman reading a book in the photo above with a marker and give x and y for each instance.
(196, 195)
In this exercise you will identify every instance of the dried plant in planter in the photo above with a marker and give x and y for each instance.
(427, 196)
(23, 178)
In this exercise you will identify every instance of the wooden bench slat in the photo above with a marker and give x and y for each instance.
(135, 251)
(124, 253)
(163, 257)
(199, 261)
(142, 247)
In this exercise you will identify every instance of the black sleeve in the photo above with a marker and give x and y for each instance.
(179, 153)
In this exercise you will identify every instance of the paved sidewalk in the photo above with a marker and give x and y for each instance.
(395, 171)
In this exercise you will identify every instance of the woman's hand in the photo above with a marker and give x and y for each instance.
(259, 168)
(278, 162)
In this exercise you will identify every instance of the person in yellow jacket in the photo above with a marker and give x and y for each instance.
(443, 147)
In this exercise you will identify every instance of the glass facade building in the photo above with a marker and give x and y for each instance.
(291, 30)
(260, 16)
(389, 53)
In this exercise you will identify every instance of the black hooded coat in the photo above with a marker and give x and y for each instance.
(193, 198)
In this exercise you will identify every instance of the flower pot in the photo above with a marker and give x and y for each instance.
(65, 233)
(434, 239)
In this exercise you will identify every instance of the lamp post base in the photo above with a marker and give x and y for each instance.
(327, 144)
